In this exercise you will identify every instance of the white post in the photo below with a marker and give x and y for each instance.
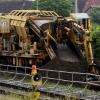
(37, 4)
(76, 6)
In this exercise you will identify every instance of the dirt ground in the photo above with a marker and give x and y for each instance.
(9, 97)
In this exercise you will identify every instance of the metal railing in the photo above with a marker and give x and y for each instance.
(16, 78)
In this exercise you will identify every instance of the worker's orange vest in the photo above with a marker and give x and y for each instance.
(34, 69)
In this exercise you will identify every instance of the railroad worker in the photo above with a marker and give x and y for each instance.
(36, 82)
(36, 77)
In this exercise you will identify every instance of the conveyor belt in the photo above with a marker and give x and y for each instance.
(66, 54)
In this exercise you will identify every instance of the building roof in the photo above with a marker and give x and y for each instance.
(85, 5)
(91, 3)
(14, 5)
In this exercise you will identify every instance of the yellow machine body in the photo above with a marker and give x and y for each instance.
(4, 25)
(32, 36)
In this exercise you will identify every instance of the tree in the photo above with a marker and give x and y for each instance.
(62, 7)
(95, 13)
(96, 40)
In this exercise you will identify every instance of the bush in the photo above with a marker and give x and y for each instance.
(96, 40)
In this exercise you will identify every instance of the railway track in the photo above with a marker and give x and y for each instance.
(58, 86)
(27, 93)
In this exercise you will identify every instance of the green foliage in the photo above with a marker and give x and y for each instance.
(62, 7)
(95, 13)
(96, 40)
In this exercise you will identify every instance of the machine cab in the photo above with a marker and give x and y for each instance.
(83, 19)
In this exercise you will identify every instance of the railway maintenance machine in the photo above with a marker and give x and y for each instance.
(36, 37)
